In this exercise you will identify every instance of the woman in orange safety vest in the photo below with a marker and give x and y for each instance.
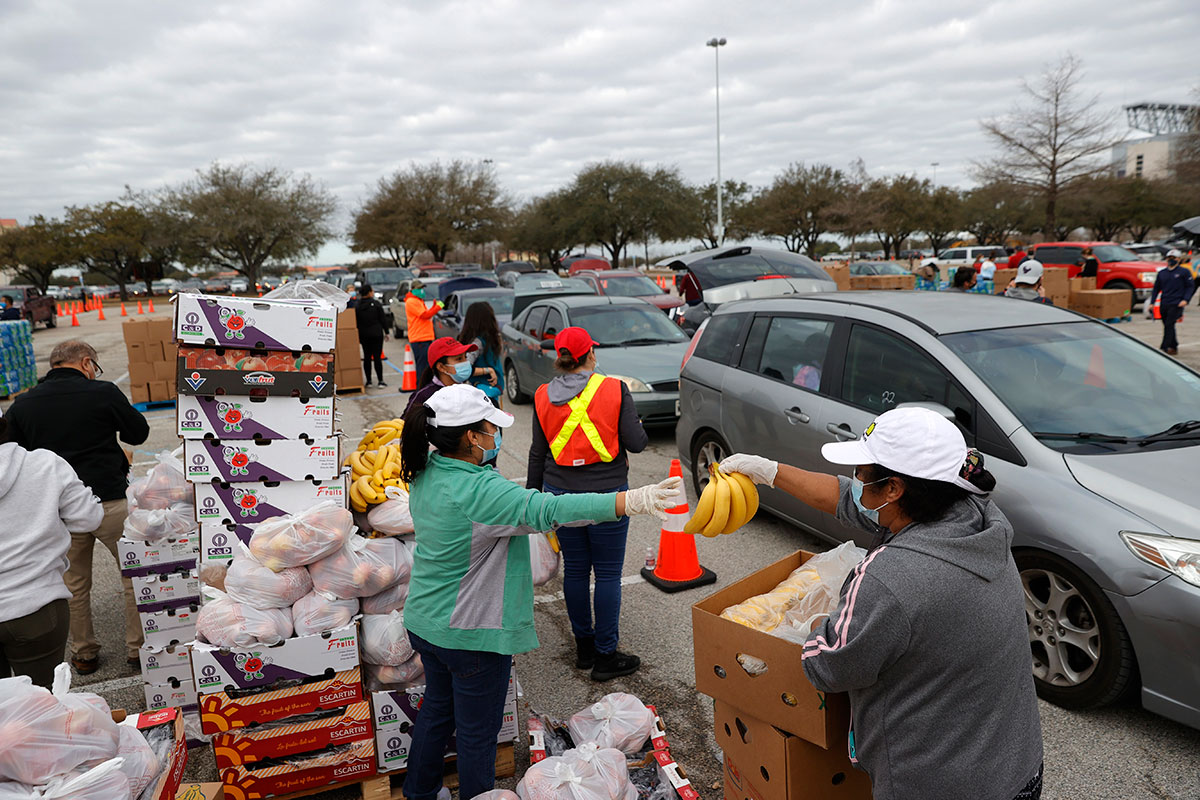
(583, 425)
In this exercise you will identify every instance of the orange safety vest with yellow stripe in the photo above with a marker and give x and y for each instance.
(576, 437)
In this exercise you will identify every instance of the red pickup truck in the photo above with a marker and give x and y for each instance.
(1120, 268)
(33, 305)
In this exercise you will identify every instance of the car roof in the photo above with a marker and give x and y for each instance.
(1074, 244)
(591, 300)
(937, 312)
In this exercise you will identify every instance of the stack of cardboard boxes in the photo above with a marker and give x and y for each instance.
(349, 373)
(781, 738)
(1099, 303)
(1054, 281)
(840, 273)
(859, 282)
(150, 345)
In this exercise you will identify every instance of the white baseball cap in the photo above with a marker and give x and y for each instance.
(1175, 253)
(1029, 272)
(463, 404)
(911, 441)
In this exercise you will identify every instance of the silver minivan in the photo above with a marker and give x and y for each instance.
(1092, 437)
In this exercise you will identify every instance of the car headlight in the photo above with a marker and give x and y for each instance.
(1147, 277)
(633, 384)
(1179, 556)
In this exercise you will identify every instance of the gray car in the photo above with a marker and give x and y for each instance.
(1091, 435)
(635, 342)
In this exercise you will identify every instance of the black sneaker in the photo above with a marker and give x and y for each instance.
(382, 385)
(585, 652)
(614, 665)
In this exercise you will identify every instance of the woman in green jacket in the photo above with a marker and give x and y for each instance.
(470, 601)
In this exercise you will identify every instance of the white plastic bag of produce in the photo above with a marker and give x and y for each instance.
(227, 623)
(544, 559)
(384, 639)
(141, 766)
(617, 720)
(568, 777)
(361, 568)
(831, 567)
(316, 613)
(152, 525)
(102, 782)
(300, 539)
(247, 581)
(608, 765)
(392, 515)
(46, 734)
(163, 486)
(381, 676)
(212, 574)
(389, 600)
(497, 794)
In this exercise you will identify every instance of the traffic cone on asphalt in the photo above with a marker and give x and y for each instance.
(124, 313)
(74, 320)
(100, 308)
(140, 307)
(59, 308)
(409, 381)
(678, 566)
(151, 305)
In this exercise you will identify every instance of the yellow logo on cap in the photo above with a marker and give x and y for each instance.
(870, 428)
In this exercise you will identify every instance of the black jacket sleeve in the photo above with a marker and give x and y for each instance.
(131, 425)
(539, 448)
(629, 429)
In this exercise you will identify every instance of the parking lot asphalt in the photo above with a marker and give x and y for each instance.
(1118, 752)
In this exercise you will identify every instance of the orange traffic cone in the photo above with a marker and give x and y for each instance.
(140, 311)
(59, 306)
(100, 308)
(74, 320)
(409, 382)
(678, 566)
(124, 313)
(151, 305)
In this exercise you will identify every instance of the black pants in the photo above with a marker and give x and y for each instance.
(372, 347)
(34, 644)
(1033, 789)
(1170, 315)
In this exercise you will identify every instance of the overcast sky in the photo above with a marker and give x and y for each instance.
(97, 95)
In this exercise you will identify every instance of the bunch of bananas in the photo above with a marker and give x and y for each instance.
(375, 465)
(728, 502)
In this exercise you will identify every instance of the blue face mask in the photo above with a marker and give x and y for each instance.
(491, 454)
(462, 371)
(856, 490)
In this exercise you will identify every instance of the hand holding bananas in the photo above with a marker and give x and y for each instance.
(654, 499)
(728, 502)
(375, 465)
(756, 468)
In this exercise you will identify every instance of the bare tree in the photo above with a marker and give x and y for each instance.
(800, 205)
(1053, 141)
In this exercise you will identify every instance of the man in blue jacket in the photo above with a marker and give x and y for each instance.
(1176, 287)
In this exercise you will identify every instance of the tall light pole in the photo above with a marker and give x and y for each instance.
(716, 44)
(934, 164)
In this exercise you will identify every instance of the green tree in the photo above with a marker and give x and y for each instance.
(35, 251)
(240, 217)
(386, 223)
(109, 239)
(994, 212)
(897, 204)
(1053, 142)
(546, 226)
(736, 213)
(941, 215)
(800, 205)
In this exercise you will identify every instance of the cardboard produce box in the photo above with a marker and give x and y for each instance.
(255, 417)
(1002, 279)
(840, 273)
(781, 696)
(171, 694)
(245, 746)
(207, 460)
(158, 591)
(212, 371)
(238, 686)
(200, 791)
(166, 555)
(1055, 280)
(167, 785)
(169, 626)
(303, 774)
(347, 320)
(166, 664)
(1101, 303)
(248, 503)
(255, 323)
(1081, 285)
(218, 542)
(395, 714)
(866, 282)
(764, 763)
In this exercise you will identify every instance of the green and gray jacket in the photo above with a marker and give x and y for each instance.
(472, 586)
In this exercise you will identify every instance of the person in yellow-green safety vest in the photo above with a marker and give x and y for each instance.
(584, 423)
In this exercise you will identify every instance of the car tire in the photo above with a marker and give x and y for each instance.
(51, 322)
(512, 389)
(1098, 666)
(1125, 286)
(707, 448)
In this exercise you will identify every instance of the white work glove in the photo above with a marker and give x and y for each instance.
(654, 499)
(1149, 310)
(756, 468)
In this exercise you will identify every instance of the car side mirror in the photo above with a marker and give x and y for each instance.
(548, 344)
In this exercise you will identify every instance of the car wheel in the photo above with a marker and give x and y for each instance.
(51, 322)
(1082, 656)
(511, 388)
(707, 449)
(1126, 287)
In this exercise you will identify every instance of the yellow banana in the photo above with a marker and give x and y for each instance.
(386, 435)
(720, 515)
(704, 508)
(357, 464)
(751, 492)
(367, 491)
(737, 505)
(356, 501)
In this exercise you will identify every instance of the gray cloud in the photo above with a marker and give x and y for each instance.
(99, 95)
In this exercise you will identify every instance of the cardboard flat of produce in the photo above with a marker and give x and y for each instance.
(213, 371)
(219, 542)
(163, 590)
(339, 765)
(166, 664)
(169, 780)
(227, 710)
(207, 460)
(169, 626)
(263, 666)
(248, 322)
(246, 746)
(173, 694)
(231, 417)
(250, 503)
(167, 555)
(200, 791)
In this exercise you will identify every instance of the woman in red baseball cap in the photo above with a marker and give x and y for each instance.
(584, 423)
(448, 365)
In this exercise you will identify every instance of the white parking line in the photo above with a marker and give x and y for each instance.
(538, 600)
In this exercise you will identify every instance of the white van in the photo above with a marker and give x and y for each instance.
(954, 257)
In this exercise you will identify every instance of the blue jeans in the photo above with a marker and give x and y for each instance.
(598, 549)
(420, 352)
(464, 690)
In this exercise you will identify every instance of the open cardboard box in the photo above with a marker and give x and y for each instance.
(172, 775)
(207, 460)
(781, 696)
(216, 320)
(158, 591)
(167, 555)
(764, 763)
(233, 417)
(217, 371)
(253, 502)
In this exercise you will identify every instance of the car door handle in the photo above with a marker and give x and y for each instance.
(842, 430)
(794, 415)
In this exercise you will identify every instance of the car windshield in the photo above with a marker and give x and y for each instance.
(1107, 253)
(748, 267)
(1082, 383)
(613, 326)
(629, 286)
(387, 277)
(502, 303)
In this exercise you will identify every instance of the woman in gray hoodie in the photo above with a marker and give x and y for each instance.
(929, 638)
(42, 491)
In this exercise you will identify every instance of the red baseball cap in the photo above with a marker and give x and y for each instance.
(447, 346)
(575, 340)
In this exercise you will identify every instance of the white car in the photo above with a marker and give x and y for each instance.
(965, 256)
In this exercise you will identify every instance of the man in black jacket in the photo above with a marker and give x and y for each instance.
(368, 315)
(1176, 287)
(73, 414)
